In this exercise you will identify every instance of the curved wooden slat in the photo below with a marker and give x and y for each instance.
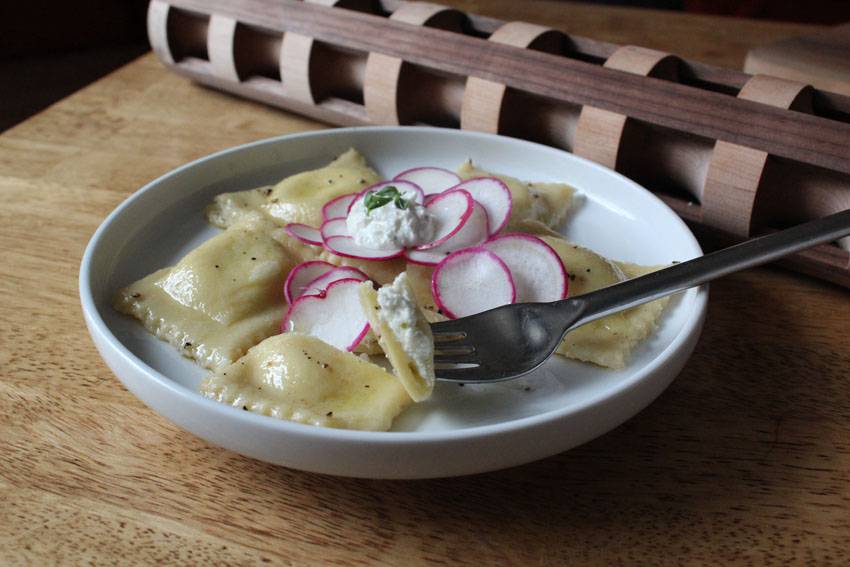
(599, 133)
(484, 102)
(384, 82)
(220, 46)
(158, 12)
(735, 172)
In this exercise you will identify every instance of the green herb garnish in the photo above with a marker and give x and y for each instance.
(389, 194)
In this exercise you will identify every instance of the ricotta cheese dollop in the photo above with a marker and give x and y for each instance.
(400, 312)
(389, 227)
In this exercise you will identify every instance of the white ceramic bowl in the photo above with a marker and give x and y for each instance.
(458, 431)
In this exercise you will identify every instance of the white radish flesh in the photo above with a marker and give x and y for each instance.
(424, 257)
(471, 281)
(323, 282)
(334, 316)
(301, 275)
(494, 196)
(334, 227)
(450, 211)
(304, 233)
(432, 180)
(537, 270)
(346, 247)
(473, 227)
(338, 207)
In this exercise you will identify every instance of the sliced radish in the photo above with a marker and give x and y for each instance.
(461, 222)
(432, 180)
(301, 275)
(338, 207)
(496, 198)
(471, 281)
(537, 270)
(319, 284)
(407, 189)
(304, 233)
(424, 257)
(451, 211)
(334, 227)
(346, 247)
(334, 316)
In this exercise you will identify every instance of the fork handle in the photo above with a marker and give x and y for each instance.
(700, 270)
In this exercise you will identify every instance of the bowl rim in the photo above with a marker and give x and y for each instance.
(698, 298)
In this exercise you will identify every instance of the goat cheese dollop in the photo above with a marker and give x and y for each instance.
(389, 226)
(400, 312)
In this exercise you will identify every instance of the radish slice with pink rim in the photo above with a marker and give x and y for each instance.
(319, 284)
(461, 222)
(304, 233)
(471, 281)
(338, 207)
(407, 189)
(334, 227)
(432, 180)
(494, 196)
(346, 247)
(424, 257)
(537, 270)
(334, 316)
(301, 275)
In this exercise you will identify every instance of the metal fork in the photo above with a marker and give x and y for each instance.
(512, 340)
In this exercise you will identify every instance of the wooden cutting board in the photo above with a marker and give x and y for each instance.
(821, 59)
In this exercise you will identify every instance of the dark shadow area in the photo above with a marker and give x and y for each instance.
(50, 49)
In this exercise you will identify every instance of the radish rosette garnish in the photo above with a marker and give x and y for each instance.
(461, 221)
(471, 281)
(334, 227)
(334, 315)
(428, 216)
(304, 233)
(301, 276)
(390, 215)
(338, 207)
(494, 196)
(537, 270)
(432, 180)
(323, 282)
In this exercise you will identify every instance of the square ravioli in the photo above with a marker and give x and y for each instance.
(608, 341)
(547, 203)
(218, 300)
(297, 198)
(302, 379)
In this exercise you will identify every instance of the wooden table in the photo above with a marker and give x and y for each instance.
(745, 458)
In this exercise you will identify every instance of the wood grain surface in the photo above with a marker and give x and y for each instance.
(744, 459)
(821, 59)
(801, 137)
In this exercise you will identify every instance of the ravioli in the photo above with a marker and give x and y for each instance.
(228, 209)
(407, 343)
(608, 341)
(222, 304)
(298, 198)
(219, 300)
(548, 203)
(302, 379)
